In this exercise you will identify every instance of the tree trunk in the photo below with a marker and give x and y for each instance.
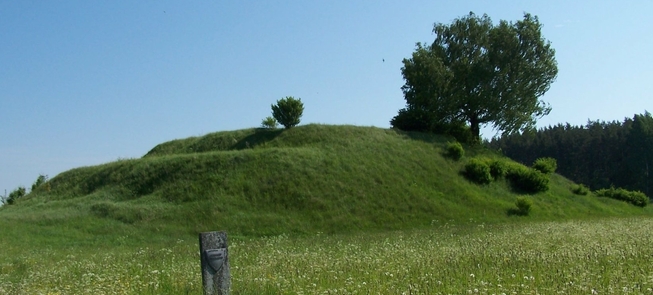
(475, 128)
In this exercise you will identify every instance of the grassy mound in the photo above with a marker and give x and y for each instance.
(313, 178)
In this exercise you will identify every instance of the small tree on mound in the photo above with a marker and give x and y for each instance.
(288, 111)
(269, 123)
(16, 194)
(39, 181)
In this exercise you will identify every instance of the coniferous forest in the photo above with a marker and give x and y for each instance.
(600, 154)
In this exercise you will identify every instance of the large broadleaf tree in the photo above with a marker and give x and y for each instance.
(477, 73)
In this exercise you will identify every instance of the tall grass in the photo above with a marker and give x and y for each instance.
(571, 257)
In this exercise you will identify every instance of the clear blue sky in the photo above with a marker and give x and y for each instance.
(88, 82)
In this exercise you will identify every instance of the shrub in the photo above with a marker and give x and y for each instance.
(288, 111)
(523, 205)
(527, 179)
(416, 119)
(545, 165)
(477, 170)
(580, 189)
(636, 198)
(498, 169)
(15, 195)
(39, 181)
(455, 150)
(460, 131)
(269, 123)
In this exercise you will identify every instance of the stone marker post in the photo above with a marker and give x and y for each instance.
(216, 278)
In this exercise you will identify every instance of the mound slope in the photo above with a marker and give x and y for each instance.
(306, 179)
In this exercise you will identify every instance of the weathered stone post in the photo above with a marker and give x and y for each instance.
(216, 278)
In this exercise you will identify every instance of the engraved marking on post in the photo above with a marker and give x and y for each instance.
(215, 257)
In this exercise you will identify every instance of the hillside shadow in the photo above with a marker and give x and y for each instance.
(259, 137)
(515, 212)
(516, 189)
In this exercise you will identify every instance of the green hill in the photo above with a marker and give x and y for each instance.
(312, 178)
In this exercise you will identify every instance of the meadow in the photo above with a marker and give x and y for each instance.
(596, 256)
(319, 209)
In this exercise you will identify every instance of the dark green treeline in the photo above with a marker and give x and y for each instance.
(600, 154)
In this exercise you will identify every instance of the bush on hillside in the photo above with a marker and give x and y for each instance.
(477, 170)
(15, 195)
(461, 132)
(545, 165)
(523, 205)
(288, 111)
(269, 123)
(455, 150)
(527, 179)
(42, 179)
(580, 189)
(415, 119)
(498, 169)
(636, 198)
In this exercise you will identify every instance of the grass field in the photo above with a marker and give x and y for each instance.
(605, 256)
(318, 209)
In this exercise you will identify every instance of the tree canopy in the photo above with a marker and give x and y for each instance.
(599, 154)
(288, 111)
(477, 73)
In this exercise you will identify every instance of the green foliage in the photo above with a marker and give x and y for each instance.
(527, 179)
(598, 154)
(523, 206)
(288, 111)
(636, 198)
(15, 195)
(580, 189)
(639, 151)
(477, 170)
(39, 181)
(269, 122)
(412, 119)
(479, 73)
(455, 150)
(545, 165)
(498, 168)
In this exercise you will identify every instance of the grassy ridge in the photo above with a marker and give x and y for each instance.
(313, 178)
